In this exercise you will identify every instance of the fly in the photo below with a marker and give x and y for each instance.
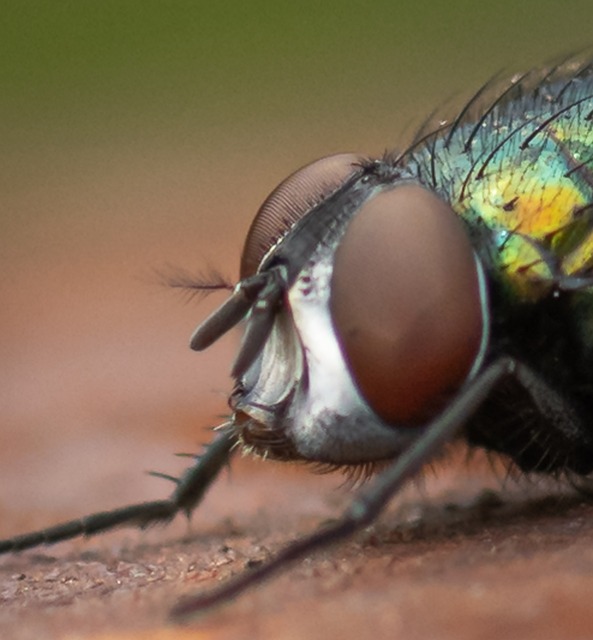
(394, 304)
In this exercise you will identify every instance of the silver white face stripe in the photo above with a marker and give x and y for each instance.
(330, 419)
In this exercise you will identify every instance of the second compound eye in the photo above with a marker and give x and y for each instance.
(406, 303)
(291, 200)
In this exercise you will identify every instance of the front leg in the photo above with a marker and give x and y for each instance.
(538, 427)
(190, 489)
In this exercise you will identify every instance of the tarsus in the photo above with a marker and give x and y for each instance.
(190, 489)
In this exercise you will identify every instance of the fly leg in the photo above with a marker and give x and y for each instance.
(539, 428)
(190, 489)
(369, 504)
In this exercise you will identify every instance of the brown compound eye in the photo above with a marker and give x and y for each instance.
(405, 302)
(291, 200)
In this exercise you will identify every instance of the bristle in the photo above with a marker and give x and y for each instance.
(196, 285)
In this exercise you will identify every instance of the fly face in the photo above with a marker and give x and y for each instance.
(366, 310)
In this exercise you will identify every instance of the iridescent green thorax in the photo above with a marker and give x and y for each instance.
(521, 176)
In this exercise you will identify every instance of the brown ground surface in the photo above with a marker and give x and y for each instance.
(98, 386)
(466, 568)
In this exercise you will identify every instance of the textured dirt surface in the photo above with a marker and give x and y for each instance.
(448, 560)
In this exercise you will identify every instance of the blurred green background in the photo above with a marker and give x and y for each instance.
(136, 134)
(76, 72)
(236, 88)
(178, 72)
(227, 84)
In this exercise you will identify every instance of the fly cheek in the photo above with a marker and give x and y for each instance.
(290, 201)
(277, 217)
(405, 302)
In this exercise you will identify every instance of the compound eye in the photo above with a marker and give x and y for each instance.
(291, 200)
(405, 303)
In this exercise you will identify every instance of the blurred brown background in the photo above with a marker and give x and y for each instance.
(140, 135)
